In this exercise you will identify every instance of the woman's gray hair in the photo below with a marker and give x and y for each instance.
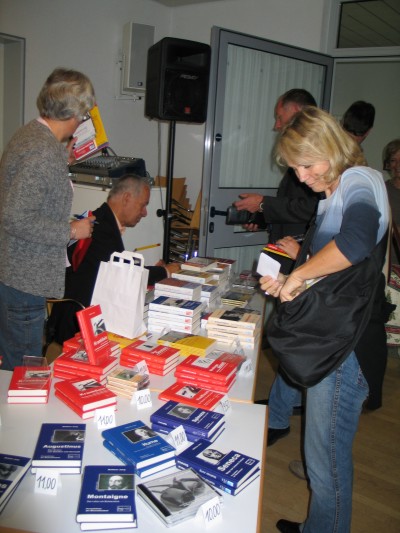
(66, 94)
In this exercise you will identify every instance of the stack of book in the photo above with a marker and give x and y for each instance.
(160, 359)
(176, 497)
(150, 295)
(126, 381)
(75, 343)
(228, 262)
(209, 294)
(137, 445)
(229, 325)
(220, 273)
(107, 498)
(197, 423)
(12, 470)
(178, 288)
(236, 298)
(229, 471)
(213, 374)
(187, 343)
(199, 264)
(85, 395)
(60, 447)
(182, 315)
(193, 276)
(29, 384)
(192, 395)
(75, 363)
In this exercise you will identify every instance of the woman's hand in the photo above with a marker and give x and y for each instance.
(290, 246)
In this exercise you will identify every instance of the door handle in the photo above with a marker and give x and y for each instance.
(214, 212)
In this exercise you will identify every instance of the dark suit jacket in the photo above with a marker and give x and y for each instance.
(79, 285)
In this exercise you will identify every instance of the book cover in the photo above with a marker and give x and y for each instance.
(235, 491)
(87, 394)
(90, 135)
(164, 430)
(176, 306)
(69, 374)
(107, 494)
(80, 412)
(179, 286)
(131, 361)
(94, 334)
(59, 445)
(27, 399)
(141, 444)
(128, 378)
(188, 343)
(30, 381)
(194, 420)
(214, 369)
(238, 316)
(199, 264)
(205, 383)
(230, 468)
(12, 469)
(191, 395)
(176, 497)
(78, 359)
(151, 351)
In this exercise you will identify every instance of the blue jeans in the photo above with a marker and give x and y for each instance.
(282, 399)
(21, 325)
(333, 409)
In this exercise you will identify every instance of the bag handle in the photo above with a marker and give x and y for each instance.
(126, 257)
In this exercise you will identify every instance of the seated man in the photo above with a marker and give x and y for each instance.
(125, 207)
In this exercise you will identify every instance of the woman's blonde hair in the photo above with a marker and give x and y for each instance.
(312, 136)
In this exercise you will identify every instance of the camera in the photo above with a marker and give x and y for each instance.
(233, 216)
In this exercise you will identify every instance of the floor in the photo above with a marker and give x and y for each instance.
(376, 493)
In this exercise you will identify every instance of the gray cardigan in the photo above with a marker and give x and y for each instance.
(35, 204)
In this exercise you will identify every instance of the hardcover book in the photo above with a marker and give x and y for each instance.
(59, 445)
(80, 412)
(151, 351)
(164, 430)
(194, 420)
(30, 381)
(230, 468)
(176, 497)
(107, 495)
(175, 306)
(94, 334)
(78, 359)
(205, 383)
(214, 369)
(27, 399)
(87, 394)
(192, 395)
(236, 317)
(12, 469)
(141, 444)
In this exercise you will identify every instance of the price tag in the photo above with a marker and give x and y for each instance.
(46, 481)
(105, 418)
(211, 512)
(141, 367)
(143, 399)
(225, 405)
(179, 438)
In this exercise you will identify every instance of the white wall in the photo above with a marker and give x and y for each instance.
(87, 35)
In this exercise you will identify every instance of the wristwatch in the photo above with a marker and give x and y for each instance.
(261, 207)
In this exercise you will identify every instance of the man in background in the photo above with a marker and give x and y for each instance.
(358, 120)
(126, 205)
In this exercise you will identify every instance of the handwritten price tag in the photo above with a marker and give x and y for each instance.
(211, 512)
(142, 367)
(105, 418)
(225, 405)
(179, 438)
(46, 481)
(143, 399)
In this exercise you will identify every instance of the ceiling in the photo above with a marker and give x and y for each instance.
(364, 23)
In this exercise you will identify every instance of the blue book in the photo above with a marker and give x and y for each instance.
(12, 469)
(164, 430)
(196, 421)
(107, 495)
(139, 443)
(233, 492)
(176, 306)
(227, 468)
(141, 472)
(60, 446)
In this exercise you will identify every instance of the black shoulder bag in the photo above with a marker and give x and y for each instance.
(314, 333)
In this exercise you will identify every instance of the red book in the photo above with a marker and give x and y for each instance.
(73, 373)
(208, 368)
(160, 370)
(30, 381)
(76, 409)
(206, 383)
(150, 351)
(94, 334)
(87, 394)
(78, 359)
(191, 395)
(27, 399)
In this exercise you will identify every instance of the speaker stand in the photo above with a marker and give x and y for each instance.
(168, 200)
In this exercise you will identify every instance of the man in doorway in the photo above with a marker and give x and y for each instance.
(358, 120)
(289, 213)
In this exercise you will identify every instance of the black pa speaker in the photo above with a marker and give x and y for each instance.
(177, 80)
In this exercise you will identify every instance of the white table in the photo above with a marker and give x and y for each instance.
(20, 424)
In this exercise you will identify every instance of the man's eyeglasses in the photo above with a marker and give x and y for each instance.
(83, 118)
